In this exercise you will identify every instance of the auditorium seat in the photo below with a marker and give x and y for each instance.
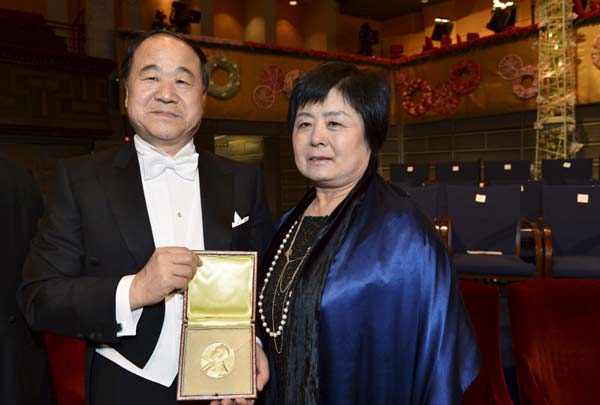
(572, 231)
(67, 361)
(427, 199)
(458, 172)
(488, 238)
(409, 174)
(567, 171)
(506, 171)
(531, 200)
(556, 334)
(483, 304)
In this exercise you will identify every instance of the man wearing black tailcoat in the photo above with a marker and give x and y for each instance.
(115, 248)
(24, 370)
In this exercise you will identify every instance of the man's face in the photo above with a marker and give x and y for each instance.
(165, 92)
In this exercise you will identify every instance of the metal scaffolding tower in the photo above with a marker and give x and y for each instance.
(555, 125)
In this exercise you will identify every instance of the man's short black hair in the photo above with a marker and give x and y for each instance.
(367, 91)
(144, 35)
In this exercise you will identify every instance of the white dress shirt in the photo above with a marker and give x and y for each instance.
(175, 212)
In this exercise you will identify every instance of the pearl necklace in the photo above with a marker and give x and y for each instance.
(274, 333)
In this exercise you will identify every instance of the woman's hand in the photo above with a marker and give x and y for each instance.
(262, 377)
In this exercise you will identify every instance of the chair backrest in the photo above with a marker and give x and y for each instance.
(458, 172)
(67, 361)
(570, 171)
(409, 174)
(506, 171)
(573, 214)
(484, 218)
(555, 334)
(531, 200)
(483, 304)
(426, 198)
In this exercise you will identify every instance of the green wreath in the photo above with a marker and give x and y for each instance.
(228, 89)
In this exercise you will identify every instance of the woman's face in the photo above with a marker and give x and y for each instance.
(329, 143)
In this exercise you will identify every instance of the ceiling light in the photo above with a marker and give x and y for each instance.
(293, 3)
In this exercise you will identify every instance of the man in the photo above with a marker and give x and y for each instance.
(114, 250)
(24, 369)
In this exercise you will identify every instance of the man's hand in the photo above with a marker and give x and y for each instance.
(262, 377)
(262, 368)
(169, 269)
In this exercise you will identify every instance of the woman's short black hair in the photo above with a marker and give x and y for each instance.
(140, 37)
(367, 91)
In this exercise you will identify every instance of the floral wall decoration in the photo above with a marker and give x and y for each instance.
(273, 81)
(400, 78)
(290, 80)
(263, 96)
(271, 84)
(519, 87)
(445, 101)
(231, 87)
(272, 76)
(465, 76)
(260, 99)
(596, 51)
(509, 66)
(419, 96)
(524, 78)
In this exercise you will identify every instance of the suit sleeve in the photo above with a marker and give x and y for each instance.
(56, 294)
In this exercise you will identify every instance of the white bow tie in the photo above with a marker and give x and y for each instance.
(153, 164)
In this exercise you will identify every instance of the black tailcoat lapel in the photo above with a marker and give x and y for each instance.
(125, 193)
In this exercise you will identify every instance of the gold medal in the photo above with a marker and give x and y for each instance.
(218, 360)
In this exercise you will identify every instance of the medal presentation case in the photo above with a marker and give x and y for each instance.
(217, 356)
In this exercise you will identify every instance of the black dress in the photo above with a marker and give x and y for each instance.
(276, 293)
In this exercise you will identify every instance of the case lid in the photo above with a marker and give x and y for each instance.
(221, 294)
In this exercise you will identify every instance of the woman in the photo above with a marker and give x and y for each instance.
(358, 304)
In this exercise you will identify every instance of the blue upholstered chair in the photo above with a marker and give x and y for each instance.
(506, 171)
(458, 172)
(570, 171)
(531, 200)
(572, 231)
(488, 239)
(427, 199)
(409, 174)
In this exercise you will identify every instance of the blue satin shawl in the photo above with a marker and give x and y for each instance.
(393, 326)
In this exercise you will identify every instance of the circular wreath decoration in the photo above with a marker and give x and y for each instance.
(509, 66)
(445, 102)
(522, 91)
(263, 96)
(421, 106)
(227, 90)
(465, 76)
